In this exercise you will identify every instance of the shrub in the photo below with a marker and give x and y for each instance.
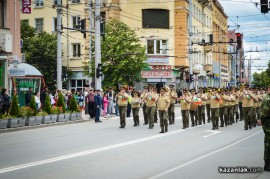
(14, 110)
(61, 102)
(73, 107)
(47, 105)
(27, 111)
(33, 105)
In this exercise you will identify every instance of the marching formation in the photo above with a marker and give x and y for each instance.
(222, 107)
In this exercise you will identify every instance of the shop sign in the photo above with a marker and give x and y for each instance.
(160, 67)
(157, 60)
(17, 72)
(157, 74)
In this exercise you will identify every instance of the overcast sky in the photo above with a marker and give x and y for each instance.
(254, 25)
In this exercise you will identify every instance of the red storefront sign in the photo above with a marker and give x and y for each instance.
(157, 74)
(161, 67)
(26, 6)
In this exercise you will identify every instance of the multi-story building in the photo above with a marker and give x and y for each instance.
(44, 18)
(220, 58)
(9, 37)
(163, 28)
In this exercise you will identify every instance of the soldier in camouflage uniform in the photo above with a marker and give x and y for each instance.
(265, 121)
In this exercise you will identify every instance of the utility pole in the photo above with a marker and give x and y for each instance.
(59, 46)
(97, 44)
(249, 71)
(235, 65)
(190, 44)
(90, 37)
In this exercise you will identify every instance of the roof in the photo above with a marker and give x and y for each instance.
(29, 69)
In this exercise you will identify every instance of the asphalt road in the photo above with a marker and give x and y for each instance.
(102, 150)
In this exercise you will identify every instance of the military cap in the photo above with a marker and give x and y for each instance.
(135, 92)
(246, 85)
(222, 90)
(200, 88)
(145, 87)
(154, 88)
(164, 89)
(214, 89)
(185, 90)
(192, 90)
(209, 87)
(171, 85)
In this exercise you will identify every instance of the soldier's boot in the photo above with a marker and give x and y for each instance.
(162, 130)
(267, 165)
(166, 128)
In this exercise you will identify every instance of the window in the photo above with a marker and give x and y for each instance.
(39, 3)
(155, 18)
(25, 21)
(156, 47)
(75, 1)
(55, 2)
(54, 24)
(3, 13)
(76, 48)
(75, 21)
(39, 25)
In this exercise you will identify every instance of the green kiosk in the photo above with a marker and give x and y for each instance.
(22, 76)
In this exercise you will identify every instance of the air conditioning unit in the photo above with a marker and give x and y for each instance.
(6, 42)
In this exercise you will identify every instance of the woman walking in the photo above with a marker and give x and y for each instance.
(105, 103)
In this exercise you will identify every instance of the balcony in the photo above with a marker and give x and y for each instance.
(207, 48)
(207, 67)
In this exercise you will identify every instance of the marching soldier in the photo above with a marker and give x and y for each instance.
(135, 106)
(265, 121)
(260, 97)
(208, 109)
(201, 107)
(173, 96)
(223, 108)
(230, 107)
(236, 104)
(193, 108)
(185, 101)
(214, 105)
(151, 99)
(163, 105)
(247, 105)
(143, 96)
(122, 98)
(240, 102)
(254, 107)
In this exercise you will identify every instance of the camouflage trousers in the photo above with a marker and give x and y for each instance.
(266, 129)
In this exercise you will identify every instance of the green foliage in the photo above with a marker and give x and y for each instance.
(33, 105)
(261, 79)
(40, 51)
(14, 110)
(61, 102)
(47, 105)
(123, 56)
(73, 107)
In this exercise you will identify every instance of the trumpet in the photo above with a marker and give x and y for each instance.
(167, 88)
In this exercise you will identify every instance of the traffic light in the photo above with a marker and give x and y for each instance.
(83, 27)
(211, 39)
(264, 6)
(239, 40)
(99, 70)
(191, 78)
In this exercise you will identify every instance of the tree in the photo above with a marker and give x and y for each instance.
(47, 105)
(61, 102)
(123, 57)
(261, 79)
(33, 105)
(14, 110)
(73, 107)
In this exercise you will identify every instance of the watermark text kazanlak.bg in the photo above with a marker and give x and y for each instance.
(239, 169)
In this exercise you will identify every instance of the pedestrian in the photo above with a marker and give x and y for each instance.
(135, 106)
(98, 103)
(185, 101)
(81, 100)
(43, 95)
(37, 100)
(265, 122)
(163, 104)
(111, 101)
(122, 101)
(91, 103)
(6, 105)
(28, 96)
(105, 103)
(173, 96)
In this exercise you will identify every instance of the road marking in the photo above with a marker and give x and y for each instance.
(202, 157)
(212, 133)
(87, 152)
